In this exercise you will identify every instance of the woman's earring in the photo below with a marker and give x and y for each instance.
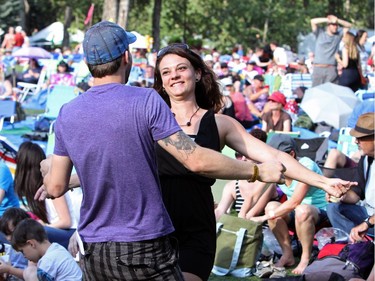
(197, 80)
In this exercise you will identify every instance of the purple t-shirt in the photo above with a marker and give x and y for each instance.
(109, 133)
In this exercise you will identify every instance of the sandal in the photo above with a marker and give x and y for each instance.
(263, 269)
(278, 272)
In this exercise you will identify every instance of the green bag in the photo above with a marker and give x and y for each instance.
(238, 246)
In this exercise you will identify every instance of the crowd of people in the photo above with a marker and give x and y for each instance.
(147, 210)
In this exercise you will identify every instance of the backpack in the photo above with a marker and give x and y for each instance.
(43, 124)
(360, 255)
(352, 261)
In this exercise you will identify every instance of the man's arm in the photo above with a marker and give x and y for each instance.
(213, 164)
(329, 19)
(315, 21)
(56, 181)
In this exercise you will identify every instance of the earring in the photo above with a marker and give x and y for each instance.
(197, 80)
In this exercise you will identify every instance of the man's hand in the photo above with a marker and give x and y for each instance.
(271, 172)
(332, 19)
(337, 187)
(45, 165)
(41, 194)
(358, 232)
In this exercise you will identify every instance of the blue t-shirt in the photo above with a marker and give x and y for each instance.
(109, 133)
(315, 196)
(57, 264)
(6, 183)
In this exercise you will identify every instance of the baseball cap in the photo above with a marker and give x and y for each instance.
(106, 41)
(364, 126)
(278, 97)
(282, 142)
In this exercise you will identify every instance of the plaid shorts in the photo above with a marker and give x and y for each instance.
(145, 260)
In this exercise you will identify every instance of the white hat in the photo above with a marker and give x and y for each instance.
(227, 81)
(18, 28)
(236, 56)
(208, 58)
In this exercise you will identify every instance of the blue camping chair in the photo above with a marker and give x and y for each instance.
(58, 95)
(7, 112)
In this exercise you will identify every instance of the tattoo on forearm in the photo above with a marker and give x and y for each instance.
(182, 143)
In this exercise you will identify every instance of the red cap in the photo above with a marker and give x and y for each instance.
(278, 97)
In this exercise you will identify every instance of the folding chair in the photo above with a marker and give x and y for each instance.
(346, 143)
(292, 134)
(314, 148)
(348, 174)
(29, 88)
(8, 153)
(58, 95)
(7, 112)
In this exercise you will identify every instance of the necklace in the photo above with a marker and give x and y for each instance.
(188, 123)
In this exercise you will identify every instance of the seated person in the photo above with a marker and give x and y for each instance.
(49, 261)
(60, 216)
(62, 76)
(17, 262)
(257, 93)
(337, 159)
(242, 112)
(276, 119)
(304, 209)
(6, 90)
(31, 74)
(8, 197)
(358, 204)
(248, 198)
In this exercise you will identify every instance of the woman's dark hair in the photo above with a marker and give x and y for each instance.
(28, 178)
(36, 62)
(207, 91)
(13, 216)
(64, 64)
(359, 34)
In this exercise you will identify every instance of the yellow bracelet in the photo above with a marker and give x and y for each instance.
(255, 175)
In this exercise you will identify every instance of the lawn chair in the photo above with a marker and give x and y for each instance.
(348, 174)
(314, 148)
(8, 112)
(346, 143)
(292, 81)
(8, 153)
(29, 88)
(58, 95)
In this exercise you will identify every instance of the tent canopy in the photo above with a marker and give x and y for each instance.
(54, 33)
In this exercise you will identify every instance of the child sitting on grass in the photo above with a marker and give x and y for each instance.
(48, 261)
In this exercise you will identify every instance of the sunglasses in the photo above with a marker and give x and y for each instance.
(172, 46)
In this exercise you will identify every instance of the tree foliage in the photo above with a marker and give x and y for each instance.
(210, 23)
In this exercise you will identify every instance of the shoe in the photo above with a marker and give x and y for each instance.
(263, 269)
(278, 272)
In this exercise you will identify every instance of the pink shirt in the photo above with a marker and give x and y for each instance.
(242, 112)
(66, 79)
